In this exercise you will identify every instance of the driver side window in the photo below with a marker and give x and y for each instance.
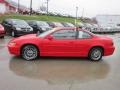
(64, 34)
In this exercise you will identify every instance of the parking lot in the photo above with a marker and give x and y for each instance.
(59, 73)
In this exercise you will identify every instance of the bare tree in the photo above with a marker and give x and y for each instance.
(43, 8)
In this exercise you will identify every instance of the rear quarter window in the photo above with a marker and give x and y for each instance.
(83, 35)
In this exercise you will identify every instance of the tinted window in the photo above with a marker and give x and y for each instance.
(42, 23)
(7, 22)
(19, 22)
(83, 35)
(58, 24)
(70, 24)
(118, 24)
(31, 23)
(65, 34)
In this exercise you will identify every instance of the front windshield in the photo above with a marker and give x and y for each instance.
(42, 23)
(58, 24)
(70, 24)
(46, 33)
(19, 22)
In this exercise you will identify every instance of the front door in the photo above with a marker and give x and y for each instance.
(62, 44)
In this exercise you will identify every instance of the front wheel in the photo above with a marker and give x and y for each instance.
(96, 54)
(2, 37)
(29, 52)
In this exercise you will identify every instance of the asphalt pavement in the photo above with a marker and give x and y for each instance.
(59, 73)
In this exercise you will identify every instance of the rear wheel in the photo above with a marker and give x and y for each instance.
(29, 52)
(96, 54)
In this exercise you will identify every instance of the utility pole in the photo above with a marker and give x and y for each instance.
(76, 15)
(83, 13)
(18, 6)
(31, 7)
(47, 7)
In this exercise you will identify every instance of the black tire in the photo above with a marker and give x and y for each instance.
(29, 52)
(95, 54)
(2, 37)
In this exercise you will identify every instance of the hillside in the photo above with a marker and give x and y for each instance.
(39, 17)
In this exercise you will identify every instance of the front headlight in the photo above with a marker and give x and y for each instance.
(44, 29)
(18, 29)
(12, 44)
(31, 29)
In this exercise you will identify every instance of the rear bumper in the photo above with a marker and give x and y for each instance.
(109, 51)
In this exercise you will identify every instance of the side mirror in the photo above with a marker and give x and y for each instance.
(50, 37)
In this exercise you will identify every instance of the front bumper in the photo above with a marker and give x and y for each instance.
(20, 33)
(15, 50)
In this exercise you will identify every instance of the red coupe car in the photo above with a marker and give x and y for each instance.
(2, 31)
(62, 42)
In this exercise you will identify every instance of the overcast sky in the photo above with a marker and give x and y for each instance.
(91, 7)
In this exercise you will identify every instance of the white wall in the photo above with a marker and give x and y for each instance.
(108, 20)
(2, 8)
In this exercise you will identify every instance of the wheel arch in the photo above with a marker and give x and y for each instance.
(29, 44)
(98, 46)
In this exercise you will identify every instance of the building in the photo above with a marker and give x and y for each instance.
(108, 20)
(7, 6)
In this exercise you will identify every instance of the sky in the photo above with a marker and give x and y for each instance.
(87, 8)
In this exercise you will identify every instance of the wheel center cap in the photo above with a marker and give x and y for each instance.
(30, 52)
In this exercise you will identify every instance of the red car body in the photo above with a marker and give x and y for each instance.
(2, 31)
(64, 47)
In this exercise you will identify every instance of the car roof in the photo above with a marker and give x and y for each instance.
(35, 21)
(68, 28)
(72, 28)
(31, 20)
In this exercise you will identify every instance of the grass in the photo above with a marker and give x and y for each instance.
(39, 17)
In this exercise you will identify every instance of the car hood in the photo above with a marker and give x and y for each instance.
(28, 36)
(22, 26)
(31, 38)
(46, 27)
